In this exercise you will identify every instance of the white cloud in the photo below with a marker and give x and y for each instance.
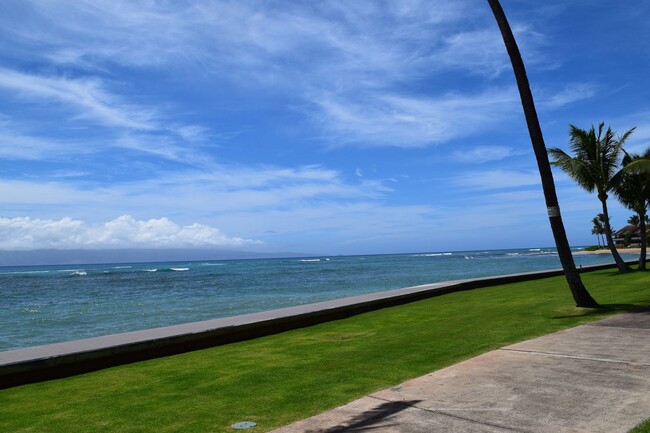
(25, 233)
(480, 51)
(320, 54)
(482, 154)
(220, 190)
(497, 179)
(412, 122)
(15, 145)
(88, 95)
(571, 93)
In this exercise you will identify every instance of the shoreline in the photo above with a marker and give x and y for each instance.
(58, 360)
(605, 250)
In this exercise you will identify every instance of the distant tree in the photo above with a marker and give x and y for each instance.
(597, 229)
(580, 294)
(601, 218)
(596, 161)
(632, 188)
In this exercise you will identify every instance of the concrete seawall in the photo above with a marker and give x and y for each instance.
(52, 361)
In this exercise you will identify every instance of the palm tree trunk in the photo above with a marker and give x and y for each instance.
(580, 294)
(622, 266)
(644, 241)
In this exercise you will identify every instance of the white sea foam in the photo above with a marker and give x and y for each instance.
(151, 270)
(24, 272)
(180, 269)
(78, 274)
(310, 260)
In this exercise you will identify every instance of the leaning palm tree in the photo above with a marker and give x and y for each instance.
(580, 294)
(632, 188)
(596, 161)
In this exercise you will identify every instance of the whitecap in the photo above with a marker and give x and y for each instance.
(180, 269)
(121, 267)
(151, 270)
(310, 260)
(78, 274)
(23, 272)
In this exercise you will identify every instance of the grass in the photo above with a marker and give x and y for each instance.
(644, 427)
(279, 379)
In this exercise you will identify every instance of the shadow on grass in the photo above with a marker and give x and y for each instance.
(605, 309)
(370, 419)
(616, 273)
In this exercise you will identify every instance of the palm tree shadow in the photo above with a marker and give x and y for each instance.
(607, 308)
(368, 420)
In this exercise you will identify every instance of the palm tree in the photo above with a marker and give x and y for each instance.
(580, 294)
(597, 229)
(601, 218)
(632, 189)
(596, 162)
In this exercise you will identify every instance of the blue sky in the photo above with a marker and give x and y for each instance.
(320, 127)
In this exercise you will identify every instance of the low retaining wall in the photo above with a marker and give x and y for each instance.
(53, 361)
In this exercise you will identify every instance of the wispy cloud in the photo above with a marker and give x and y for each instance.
(497, 179)
(571, 93)
(338, 60)
(87, 95)
(412, 122)
(483, 154)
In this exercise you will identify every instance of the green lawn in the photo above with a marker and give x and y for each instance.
(642, 428)
(278, 379)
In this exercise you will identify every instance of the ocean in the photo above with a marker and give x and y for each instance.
(48, 304)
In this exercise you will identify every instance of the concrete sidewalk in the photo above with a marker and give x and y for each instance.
(592, 378)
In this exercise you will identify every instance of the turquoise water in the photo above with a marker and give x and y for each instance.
(48, 304)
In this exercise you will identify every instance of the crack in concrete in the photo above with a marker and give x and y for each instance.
(438, 412)
(583, 358)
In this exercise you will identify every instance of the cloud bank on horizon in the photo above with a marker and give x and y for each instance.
(368, 127)
(18, 234)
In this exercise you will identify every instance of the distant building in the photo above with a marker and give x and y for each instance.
(619, 236)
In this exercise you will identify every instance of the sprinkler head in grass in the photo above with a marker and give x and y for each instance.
(242, 425)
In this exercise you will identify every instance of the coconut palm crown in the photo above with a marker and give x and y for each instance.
(594, 166)
(632, 188)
